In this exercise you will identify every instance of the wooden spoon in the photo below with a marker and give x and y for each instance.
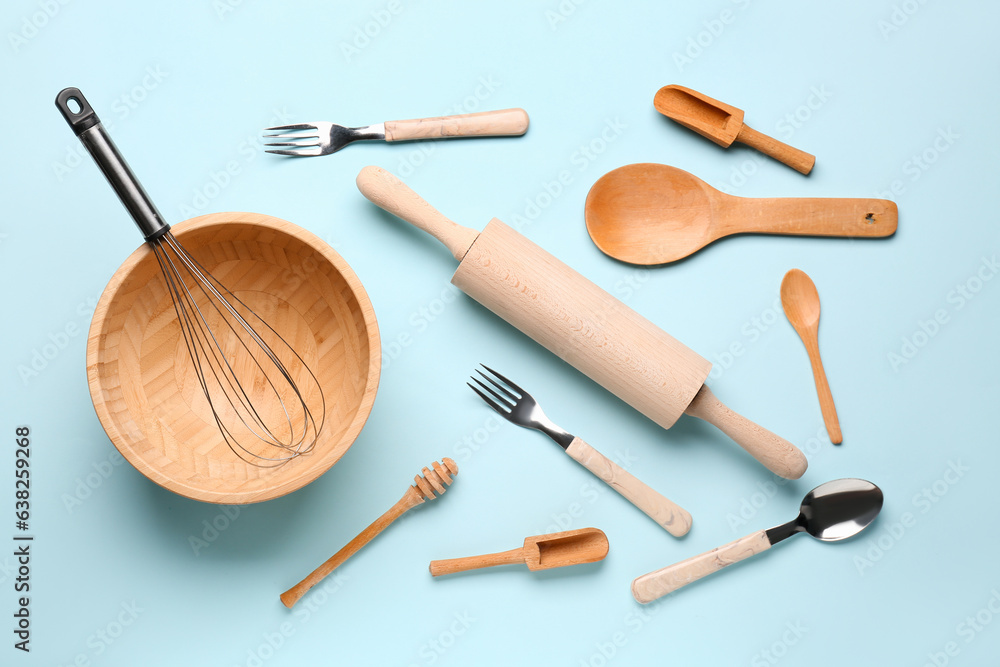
(541, 552)
(801, 303)
(652, 214)
(723, 124)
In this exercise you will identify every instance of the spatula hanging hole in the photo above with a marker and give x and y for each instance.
(74, 105)
(870, 219)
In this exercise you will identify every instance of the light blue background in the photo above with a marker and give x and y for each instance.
(892, 78)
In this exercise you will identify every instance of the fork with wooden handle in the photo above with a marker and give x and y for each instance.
(322, 137)
(430, 481)
(517, 406)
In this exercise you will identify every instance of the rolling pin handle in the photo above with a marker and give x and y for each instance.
(389, 193)
(777, 454)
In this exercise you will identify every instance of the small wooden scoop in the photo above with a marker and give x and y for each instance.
(724, 124)
(801, 303)
(431, 483)
(541, 552)
(653, 214)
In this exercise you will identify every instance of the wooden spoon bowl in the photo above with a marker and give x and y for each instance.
(144, 388)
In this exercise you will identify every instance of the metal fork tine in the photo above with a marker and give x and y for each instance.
(509, 383)
(489, 401)
(499, 386)
(293, 135)
(298, 152)
(298, 126)
(305, 143)
(503, 401)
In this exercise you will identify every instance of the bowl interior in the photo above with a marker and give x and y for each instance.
(141, 376)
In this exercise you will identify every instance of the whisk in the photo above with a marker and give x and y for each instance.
(239, 360)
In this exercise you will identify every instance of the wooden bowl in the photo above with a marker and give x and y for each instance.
(141, 378)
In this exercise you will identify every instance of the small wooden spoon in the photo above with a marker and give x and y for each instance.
(723, 124)
(541, 552)
(652, 214)
(801, 303)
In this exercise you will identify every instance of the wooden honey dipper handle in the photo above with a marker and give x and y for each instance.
(391, 194)
(430, 484)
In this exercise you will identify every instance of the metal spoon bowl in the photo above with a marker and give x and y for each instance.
(834, 511)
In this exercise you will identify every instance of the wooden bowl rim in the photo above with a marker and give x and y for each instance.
(307, 474)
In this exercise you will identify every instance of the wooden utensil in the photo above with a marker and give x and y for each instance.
(541, 552)
(430, 481)
(581, 323)
(653, 214)
(801, 303)
(724, 124)
(146, 394)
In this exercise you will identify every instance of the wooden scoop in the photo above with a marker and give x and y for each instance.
(431, 483)
(653, 214)
(801, 303)
(723, 124)
(541, 552)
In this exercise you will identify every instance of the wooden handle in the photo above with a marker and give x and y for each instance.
(504, 123)
(295, 593)
(660, 509)
(780, 456)
(800, 161)
(825, 396)
(387, 192)
(806, 216)
(453, 565)
(656, 584)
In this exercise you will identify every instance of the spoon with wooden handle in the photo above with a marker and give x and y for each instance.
(801, 303)
(428, 483)
(831, 512)
(724, 124)
(653, 214)
(541, 552)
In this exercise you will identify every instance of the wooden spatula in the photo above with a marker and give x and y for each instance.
(654, 214)
(724, 124)
(541, 552)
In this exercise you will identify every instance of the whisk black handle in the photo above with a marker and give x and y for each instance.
(87, 126)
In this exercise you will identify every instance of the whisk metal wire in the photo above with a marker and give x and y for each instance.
(202, 343)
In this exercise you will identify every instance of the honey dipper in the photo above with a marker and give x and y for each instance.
(430, 481)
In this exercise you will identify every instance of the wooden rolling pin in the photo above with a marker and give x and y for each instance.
(581, 323)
